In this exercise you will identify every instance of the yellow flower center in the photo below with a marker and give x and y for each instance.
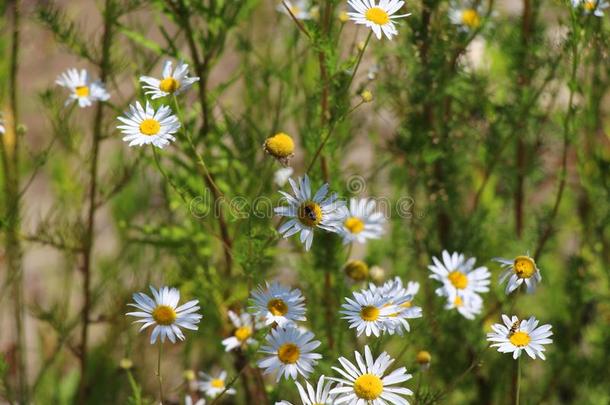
(280, 145)
(310, 213)
(354, 225)
(164, 315)
(423, 357)
(242, 334)
(150, 127)
(217, 383)
(368, 386)
(458, 279)
(82, 91)
(369, 313)
(520, 339)
(377, 16)
(277, 307)
(471, 18)
(524, 266)
(288, 353)
(458, 301)
(169, 85)
(357, 270)
(590, 5)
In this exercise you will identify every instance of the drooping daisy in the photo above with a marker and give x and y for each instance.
(318, 396)
(364, 382)
(279, 304)
(173, 81)
(459, 276)
(300, 9)
(466, 17)
(81, 90)
(469, 307)
(377, 17)
(290, 353)
(245, 326)
(307, 213)
(281, 176)
(212, 386)
(521, 270)
(517, 335)
(368, 313)
(147, 126)
(361, 221)
(162, 311)
(595, 7)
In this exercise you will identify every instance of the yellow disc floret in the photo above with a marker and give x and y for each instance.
(150, 127)
(242, 334)
(377, 16)
(471, 18)
(520, 339)
(524, 266)
(423, 357)
(458, 279)
(354, 224)
(369, 313)
(169, 85)
(82, 91)
(277, 307)
(280, 146)
(288, 353)
(217, 383)
(368, 386)
(164, 315)
(357, 270)
(310, 213)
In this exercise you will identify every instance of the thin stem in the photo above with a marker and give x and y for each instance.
(229, 385)
(295, 19)
(366, 43)
(518, 381)
(159, 377)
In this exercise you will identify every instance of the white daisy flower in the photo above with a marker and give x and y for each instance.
(368, 312)
(459, 276)
(245, 326)
(290, 353)
(173, 81)
(377, 17)
(402, 299)
(518, 335)
(364, 382)
(147, 126)
(307, 213)
(300, 9)
(361, 222)
(212, 386)
(466, 17)
(281, 176)
(521, 270)
(595, 7)
(162, 311)
(189, 401)
(278, 304)
(469, 307)
(81, 90)
(318, 396)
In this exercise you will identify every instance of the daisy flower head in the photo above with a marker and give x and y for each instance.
(244, 327)
(300, 9)
(366, 383)
(469, 307)
(188, 400)
(378, 17)
(314, 396)
(401, 299)
(515, 336)
(143, 126)
(280, 146)
(368, 313)
(172, 82)
(595, 7)
(459, 276)
(520, 270)
(84, 92)
(163, 312)
(290, 352)
(361, 222)
(307, 213)
(214, 385)
(466, 17)
(276, 303)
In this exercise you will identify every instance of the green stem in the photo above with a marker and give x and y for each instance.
(159, 377)
(518, 383)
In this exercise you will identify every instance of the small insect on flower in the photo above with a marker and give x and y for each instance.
(212, 386)
(318, 396)
(361, 221)
(521, 270)
(173, 81)
(377, 17)
(162, 312)
(365, 382)
(307, 213)
(466, 16)
(280, 146)
(459, 276)
(147, 126)
(515, 336)
(368, 313)
(290, 352)
(278, 304)
(300, 9)
(82, 91)
(245, 326)
(595, 7)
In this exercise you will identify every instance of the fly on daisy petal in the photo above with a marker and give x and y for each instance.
(520, 270)
(143, 126)
(173, 81)
(163, 312)
(516, 336)
(289, 353)
(361, 221)
(378, 17)
(276, 303)
(84, 92)
(366, 381)
(212, 386)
